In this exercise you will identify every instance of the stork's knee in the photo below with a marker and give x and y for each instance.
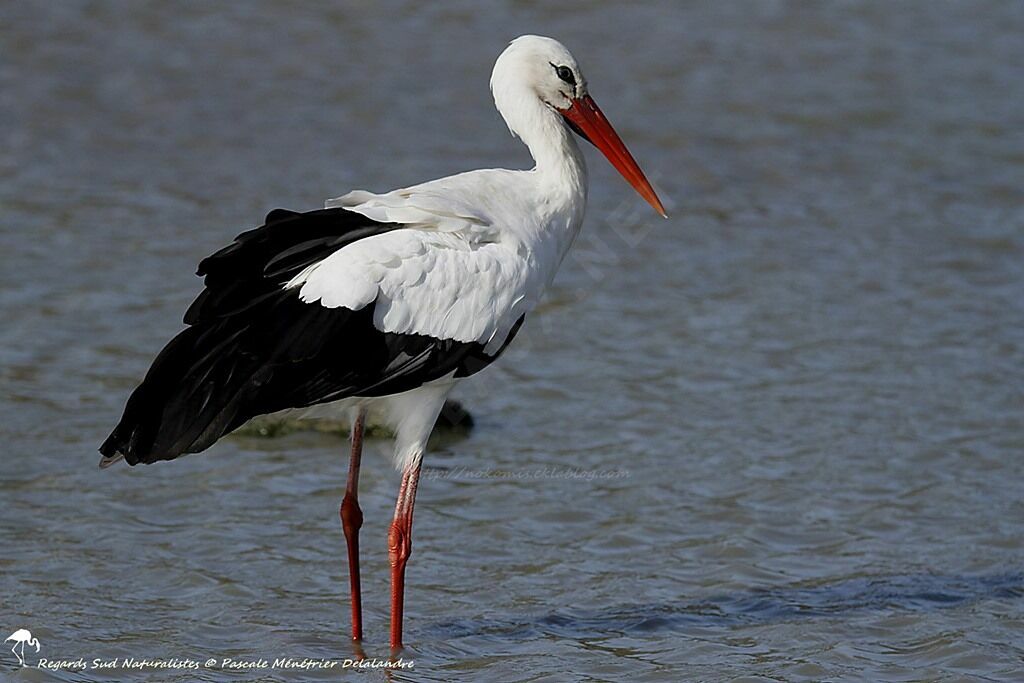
(351, 515)
(399, 545)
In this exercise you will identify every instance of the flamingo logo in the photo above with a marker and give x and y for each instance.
(20, 638)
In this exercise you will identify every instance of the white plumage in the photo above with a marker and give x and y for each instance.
(482, 245)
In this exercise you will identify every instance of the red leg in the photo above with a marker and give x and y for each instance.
(351, 521)
(400, 547)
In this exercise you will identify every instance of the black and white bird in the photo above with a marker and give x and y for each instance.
(382, 302)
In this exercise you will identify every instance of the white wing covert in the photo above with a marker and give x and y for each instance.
(421, 282)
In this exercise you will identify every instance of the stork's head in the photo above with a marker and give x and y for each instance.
(535, 69)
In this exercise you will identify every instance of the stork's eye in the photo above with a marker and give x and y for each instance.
(565, 73)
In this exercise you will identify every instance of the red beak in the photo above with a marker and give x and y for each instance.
(585, 117)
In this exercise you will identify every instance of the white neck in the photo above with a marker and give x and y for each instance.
(558, 184)
(560, 167)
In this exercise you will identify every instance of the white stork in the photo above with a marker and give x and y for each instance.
(384, 301)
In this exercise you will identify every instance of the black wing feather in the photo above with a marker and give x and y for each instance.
(254, 348)
(259, 261)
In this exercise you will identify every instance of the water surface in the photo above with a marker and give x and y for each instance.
(799, 400)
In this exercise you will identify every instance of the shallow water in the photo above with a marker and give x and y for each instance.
(777, 437)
